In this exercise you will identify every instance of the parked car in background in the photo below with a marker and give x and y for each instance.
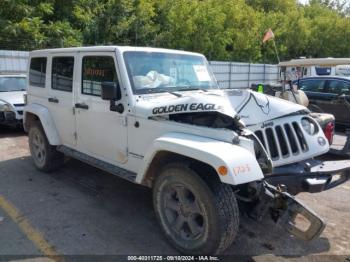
(329, 95)
(12, 90)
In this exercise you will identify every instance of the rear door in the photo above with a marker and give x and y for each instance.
(101, 133)
(60, 95)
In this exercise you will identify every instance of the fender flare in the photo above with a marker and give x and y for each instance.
(46, 120)
(241, 164)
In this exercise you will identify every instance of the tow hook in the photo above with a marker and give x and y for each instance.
(292, 215)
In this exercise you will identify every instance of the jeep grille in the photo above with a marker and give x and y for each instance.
(284, 140)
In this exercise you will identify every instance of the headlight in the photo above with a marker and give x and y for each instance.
(5, 107)
(309, 126)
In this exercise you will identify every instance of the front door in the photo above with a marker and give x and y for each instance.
(100, 132)
(314, 89)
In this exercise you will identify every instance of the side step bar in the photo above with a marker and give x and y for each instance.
(120, 172)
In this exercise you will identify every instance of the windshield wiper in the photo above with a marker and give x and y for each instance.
(162, 90)
(175, 94)
(192, 89)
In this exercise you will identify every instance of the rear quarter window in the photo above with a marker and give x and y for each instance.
(37, 71)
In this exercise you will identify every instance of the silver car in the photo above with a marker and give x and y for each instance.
(12, 90)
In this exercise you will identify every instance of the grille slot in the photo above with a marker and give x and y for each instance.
(271, 141)
(284, 140)
(301, 138)
(259, 134)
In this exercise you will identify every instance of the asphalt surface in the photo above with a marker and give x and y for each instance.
(80, 210)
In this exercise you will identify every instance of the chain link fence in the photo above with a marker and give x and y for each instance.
(13, 62)
(243, 75)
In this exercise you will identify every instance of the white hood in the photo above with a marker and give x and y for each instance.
(15, 97)
(252, 107)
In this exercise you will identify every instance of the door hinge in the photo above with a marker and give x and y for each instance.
(75, 135)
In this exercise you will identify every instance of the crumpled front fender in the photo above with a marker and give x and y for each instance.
(241, 164)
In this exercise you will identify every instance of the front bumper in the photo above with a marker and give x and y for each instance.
(310, 175)
(10, 118)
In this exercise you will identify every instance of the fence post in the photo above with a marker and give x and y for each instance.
(229, 77)
(249, 75)
(264, 73)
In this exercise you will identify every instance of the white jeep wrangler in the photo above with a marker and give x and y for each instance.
(157, 117)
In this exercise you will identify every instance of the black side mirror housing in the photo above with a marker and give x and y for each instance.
(110, 91)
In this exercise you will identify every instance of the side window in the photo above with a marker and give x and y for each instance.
(338, 87)
(95, 70)
(37, 71)
(315, 85)
(323, 71)
(62, 73)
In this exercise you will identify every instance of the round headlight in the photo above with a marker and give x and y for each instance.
(6, 107)
(309, 126)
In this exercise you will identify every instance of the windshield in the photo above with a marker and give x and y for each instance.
(152, 72)
(9, 84)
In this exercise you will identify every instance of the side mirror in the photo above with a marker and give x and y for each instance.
(110, 91)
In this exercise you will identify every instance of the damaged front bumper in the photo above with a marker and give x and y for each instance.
(310, 176)
(292, 215)
(277, 200)
(10, 118)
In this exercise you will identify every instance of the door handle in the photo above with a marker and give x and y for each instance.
(53, 100)
(81, 105)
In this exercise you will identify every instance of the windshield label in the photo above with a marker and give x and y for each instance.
(173, 72)
(183, 108)
(201, 73)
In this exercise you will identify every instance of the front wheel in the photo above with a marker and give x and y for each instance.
(45, 156)
(197, 217)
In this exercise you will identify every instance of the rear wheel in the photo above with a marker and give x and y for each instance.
(45, 156)
(197, 217)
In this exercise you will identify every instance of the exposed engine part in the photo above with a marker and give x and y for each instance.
(208, 119)
(249, 193)
(218, 120)
(261, 155)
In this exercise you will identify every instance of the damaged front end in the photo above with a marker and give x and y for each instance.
(292, 215)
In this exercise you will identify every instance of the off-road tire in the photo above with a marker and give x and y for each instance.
(50, 159)
(216, 200)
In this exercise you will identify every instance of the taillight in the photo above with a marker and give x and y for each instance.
(329, 132)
